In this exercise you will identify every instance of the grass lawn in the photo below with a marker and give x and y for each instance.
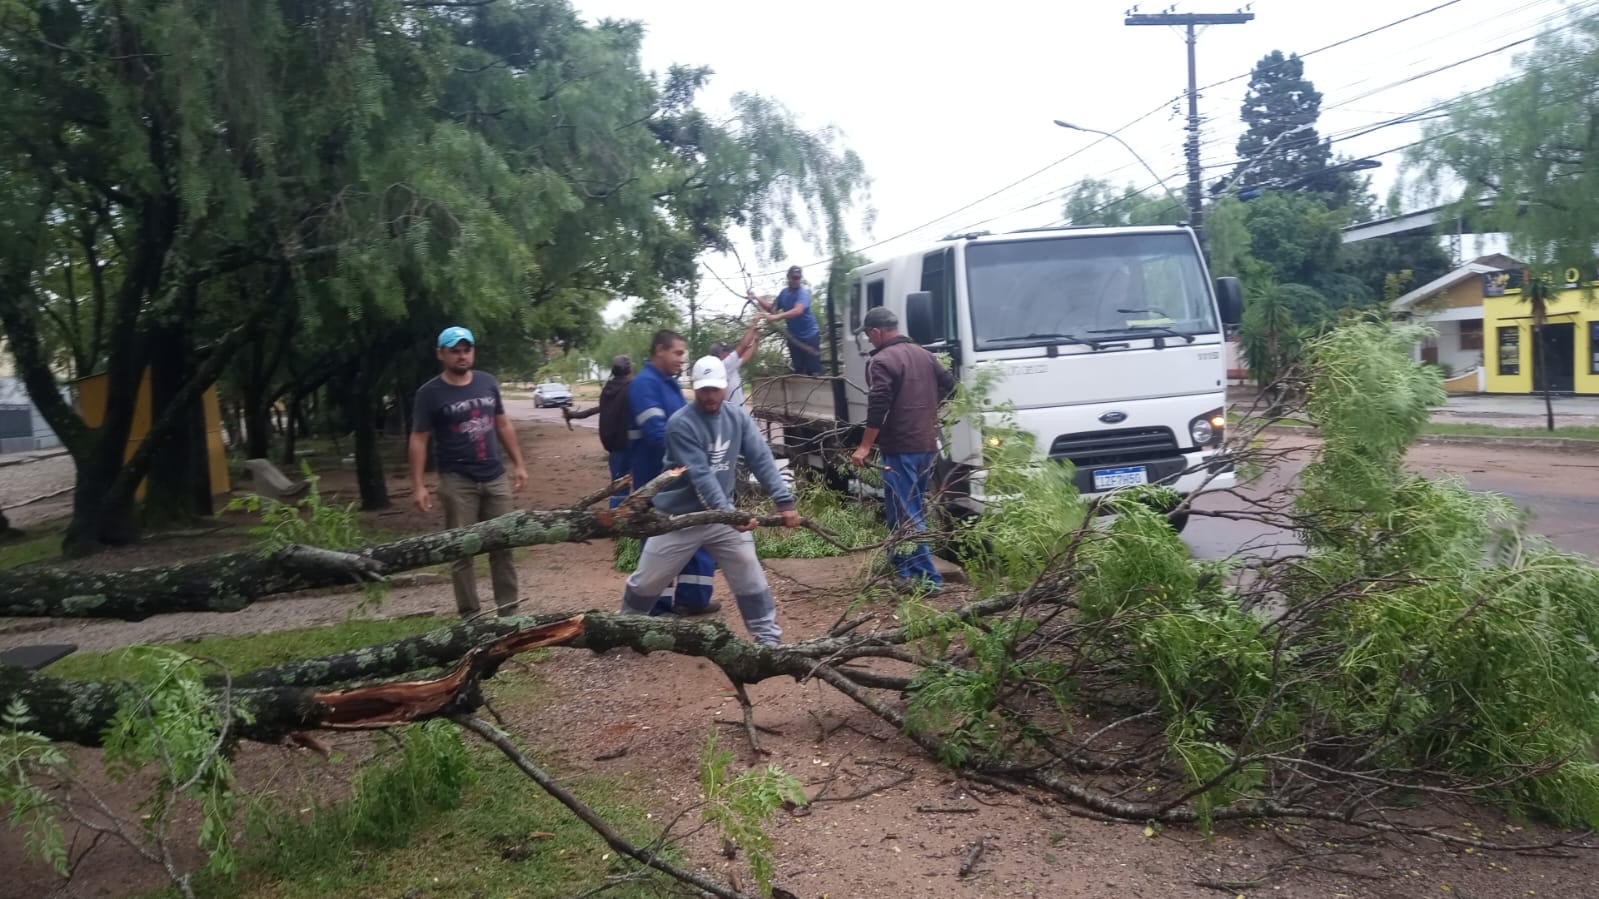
(43, 542)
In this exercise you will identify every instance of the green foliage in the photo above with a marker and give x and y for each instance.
(852, 523)
(392, 800)
(507, 166)
(1280, 99)
(628, 550)
(1422, 635)
(26, 756)
(172, 719)
(1093, 201)
(1369, 402)
(1522, 147)
(739, 806)
(504, 836)
(1273, 331)
(307, 522)
(1032, 508)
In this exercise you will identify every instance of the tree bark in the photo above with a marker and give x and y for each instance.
(368, 454)
(228, 583)
(81, 711)
(178, 488)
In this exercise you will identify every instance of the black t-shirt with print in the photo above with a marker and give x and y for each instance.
(462, 421)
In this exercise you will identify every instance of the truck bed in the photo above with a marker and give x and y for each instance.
(799, 399)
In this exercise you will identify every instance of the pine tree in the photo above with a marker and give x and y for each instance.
(1280, 100)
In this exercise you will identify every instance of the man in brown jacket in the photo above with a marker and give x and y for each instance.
(905, 386)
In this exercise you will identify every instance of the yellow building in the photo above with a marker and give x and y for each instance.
(1484, 333)
(92, 395)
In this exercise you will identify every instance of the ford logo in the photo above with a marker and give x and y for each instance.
(1113, 418)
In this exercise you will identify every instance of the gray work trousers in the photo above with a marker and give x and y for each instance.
(465, 502)
(665, 554)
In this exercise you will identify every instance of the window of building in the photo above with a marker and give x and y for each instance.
(1510, 350)
(1471, 335)
(1593, 348)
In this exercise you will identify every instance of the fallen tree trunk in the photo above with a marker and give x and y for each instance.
(80, 711)
(230, 582)
(286, 698)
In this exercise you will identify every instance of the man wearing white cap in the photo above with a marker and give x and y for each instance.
(708, 438)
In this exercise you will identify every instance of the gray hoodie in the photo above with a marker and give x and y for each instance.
(709, 446)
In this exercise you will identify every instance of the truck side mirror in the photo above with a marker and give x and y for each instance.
(921, 320)
(1230, 297)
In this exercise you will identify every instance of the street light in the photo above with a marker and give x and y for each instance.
(1112, 136)
(1307, 179)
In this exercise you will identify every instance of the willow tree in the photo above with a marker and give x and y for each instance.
(549, 175)
(161, 147)
(1519, 156)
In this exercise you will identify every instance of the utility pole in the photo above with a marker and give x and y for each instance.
(1196, 194)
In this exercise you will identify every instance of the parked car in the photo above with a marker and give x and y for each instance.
(551, 393)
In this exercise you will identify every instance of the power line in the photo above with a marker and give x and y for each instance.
(1340, 43)
(1053, 195)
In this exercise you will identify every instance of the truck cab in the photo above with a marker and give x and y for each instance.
(1108, 345)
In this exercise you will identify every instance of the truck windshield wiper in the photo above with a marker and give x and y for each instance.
(1041, 339)
(1152, 309)
(1162, 330)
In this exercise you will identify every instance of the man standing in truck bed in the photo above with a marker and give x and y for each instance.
(793, 305)
(905, 385)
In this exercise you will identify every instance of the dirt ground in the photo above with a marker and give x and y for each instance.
(889, 824)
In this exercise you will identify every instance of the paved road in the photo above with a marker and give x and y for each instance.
(1561, 489)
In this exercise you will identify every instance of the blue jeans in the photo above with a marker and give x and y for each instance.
(621, 464)
(805, 355)
(905, 481)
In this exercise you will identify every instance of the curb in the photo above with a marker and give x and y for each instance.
(1569, 444)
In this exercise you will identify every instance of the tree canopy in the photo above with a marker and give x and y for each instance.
(1516, 156)
(295, 196)
(1280, 110)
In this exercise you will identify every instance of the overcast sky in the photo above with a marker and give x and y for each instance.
(950, 105)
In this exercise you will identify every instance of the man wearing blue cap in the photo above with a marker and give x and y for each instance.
(464, 413)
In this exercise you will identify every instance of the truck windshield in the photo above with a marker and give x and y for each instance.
(1101, 286)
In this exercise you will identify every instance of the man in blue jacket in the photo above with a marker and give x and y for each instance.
(708, 438)
(652, 398)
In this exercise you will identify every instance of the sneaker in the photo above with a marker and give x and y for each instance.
(709, 608)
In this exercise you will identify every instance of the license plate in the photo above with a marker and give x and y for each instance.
(1111, 478)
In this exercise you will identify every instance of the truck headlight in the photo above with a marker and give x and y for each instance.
(1207, 429)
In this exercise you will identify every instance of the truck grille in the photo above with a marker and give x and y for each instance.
(1118, 447)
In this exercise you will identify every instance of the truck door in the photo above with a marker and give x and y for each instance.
(872, 289)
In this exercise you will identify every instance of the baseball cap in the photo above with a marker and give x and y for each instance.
(455, 334)
(879, 317)
(621, 364)
(720, 347)
(795, 270)
(710, 372)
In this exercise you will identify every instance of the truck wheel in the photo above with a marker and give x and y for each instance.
(1178, 521)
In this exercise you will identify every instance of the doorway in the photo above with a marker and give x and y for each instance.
(1555, 359)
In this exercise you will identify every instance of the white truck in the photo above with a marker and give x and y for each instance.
(1109, 343)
